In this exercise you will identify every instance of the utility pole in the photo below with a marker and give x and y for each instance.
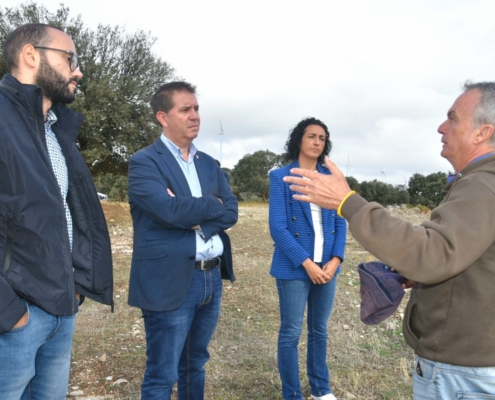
(384, 176)
(221, 142)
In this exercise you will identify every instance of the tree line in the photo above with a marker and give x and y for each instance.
(250, 181)
(120, 75)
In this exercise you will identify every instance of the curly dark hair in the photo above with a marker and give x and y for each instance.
(293, 143)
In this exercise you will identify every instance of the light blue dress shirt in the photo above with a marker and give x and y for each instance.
(213, 247)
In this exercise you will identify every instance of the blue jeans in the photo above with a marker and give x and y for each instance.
(35, 358)
(177, 341)
(293, 296)
(441, 381)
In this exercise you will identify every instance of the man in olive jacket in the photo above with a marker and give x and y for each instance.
(54, 243)
(449, 260)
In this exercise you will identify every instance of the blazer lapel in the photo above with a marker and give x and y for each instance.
(307, 210)
(202, 173)
(168, 158)
(305, 206)
(325, 214)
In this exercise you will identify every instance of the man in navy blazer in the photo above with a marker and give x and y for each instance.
(181, 206)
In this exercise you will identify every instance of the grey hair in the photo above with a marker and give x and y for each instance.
(484, 112)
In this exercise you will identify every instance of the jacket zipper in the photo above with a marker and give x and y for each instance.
(72, 282)
(8, 249)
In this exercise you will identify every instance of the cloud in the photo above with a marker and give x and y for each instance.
(380, 74)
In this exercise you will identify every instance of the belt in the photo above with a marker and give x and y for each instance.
(206, 265)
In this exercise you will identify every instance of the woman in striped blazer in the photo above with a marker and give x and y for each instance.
(309, 247)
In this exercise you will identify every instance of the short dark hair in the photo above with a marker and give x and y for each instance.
(162, 99)
(35, 34)
(293, 143)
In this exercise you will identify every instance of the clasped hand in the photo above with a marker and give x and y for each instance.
(320, 276)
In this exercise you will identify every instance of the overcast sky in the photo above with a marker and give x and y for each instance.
(381, 74)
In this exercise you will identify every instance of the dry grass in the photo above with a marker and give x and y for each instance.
(365, 362)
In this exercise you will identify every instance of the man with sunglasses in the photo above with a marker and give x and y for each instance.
(54, 243)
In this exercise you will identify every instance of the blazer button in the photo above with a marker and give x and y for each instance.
(296, 235)
(333, 232)
(192, 257)
(294, 218)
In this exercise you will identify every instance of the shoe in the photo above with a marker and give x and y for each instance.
(328, 396)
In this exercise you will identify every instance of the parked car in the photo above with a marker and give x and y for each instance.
(102, 196)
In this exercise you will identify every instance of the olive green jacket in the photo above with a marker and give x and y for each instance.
(450, 316)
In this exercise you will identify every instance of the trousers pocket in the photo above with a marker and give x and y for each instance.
(23, 327)
(474, 396)
(423, 371)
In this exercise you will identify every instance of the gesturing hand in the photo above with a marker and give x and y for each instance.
(327, 191)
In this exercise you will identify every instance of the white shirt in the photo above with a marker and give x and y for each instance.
(318, 228)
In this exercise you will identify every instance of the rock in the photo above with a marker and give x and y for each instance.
(103, 358)
(76, 393)
(119, 382)
(391, 326)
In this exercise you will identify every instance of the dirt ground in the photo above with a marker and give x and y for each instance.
(366, 362)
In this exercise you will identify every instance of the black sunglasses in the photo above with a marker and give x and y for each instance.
(73, 62)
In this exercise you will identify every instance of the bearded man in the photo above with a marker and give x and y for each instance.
(54, 243)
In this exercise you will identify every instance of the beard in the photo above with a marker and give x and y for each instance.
(54, 86)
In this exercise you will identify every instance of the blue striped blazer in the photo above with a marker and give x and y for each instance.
(291, 228)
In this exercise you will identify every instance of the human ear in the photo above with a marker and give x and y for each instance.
(485, 133)
(29, 56)
(162, 118)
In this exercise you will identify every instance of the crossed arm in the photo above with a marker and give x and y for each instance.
(154, 194)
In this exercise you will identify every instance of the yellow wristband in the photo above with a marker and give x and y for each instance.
(343, 201)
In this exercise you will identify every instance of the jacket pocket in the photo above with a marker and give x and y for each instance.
(411, 307)
(157, 235)
(151, 252)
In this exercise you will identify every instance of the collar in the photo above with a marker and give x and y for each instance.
(481, 157)
(176, 151)
(51, 118)
(452, 177)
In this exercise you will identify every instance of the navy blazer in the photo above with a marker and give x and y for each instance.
(291, 228)
(164, 243)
